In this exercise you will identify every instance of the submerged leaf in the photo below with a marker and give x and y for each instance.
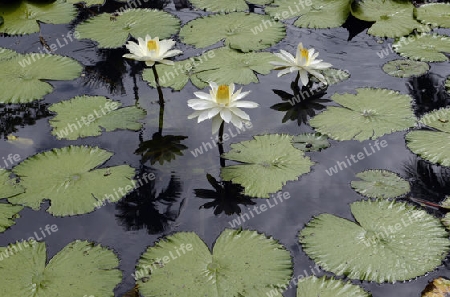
(311, 14)
(269, 162)
(424, 47)
(229, 66)
(436, 14)
(308, 142)
(21, 17)
(183, 263)
(432, 145)
(378, 247)
(393, 18)
(369, 114)
(21, 76)
(240, 31)
(380, 184)
(328, 287)
(439, 287)
(79, 269)
(113, 31)
(405, 68)
(86, 116)
(226, 5)
(67, 177)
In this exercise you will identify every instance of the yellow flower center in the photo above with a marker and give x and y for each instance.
(223, 94)
(304, 54)
(152, 45)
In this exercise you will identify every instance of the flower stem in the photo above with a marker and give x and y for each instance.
(158, 87)
(297, 78)
(220, 144)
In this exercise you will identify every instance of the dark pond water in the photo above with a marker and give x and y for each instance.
(170, 204)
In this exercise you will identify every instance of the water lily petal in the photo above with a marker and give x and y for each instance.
(214, 111)
(287, 56)
(225, 113)
(166, 62)
(286, 71)
(246, 104)
(201, 104)
(165, 45)
(172, 53)
(150, 63)
(216, 122)
(304, 77)
(236, 121)
(238, 112)
(203, 95)
(194, 114)
(241, 95)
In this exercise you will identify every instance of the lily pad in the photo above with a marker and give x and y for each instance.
(405, 68)
(312, 14)
(269, 161)
(79, 269)
(87, 2)
(229, 66)
(8, 213)
(8, 186)
(21, 17)
(439, 287)
(84, 116)
(241, 31)
(381, 184)
(183, 263)
(67, 177)
(328, 287)
(332, 76)
(176, 76)
(393, 18)
(369, 114)
(377, 247)
(21, 76)
(309, 142)
(423, 47)
(435, 14)
(432, 145)
(113, 31)
(226, 5)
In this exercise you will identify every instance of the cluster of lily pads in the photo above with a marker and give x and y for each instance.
(359, 250)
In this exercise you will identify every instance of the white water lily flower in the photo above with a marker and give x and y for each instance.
(151, 50)
(221, 104)
(305, 62)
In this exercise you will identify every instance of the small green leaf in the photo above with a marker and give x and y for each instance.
(183, 263)
(241, 31)
(93, 270)
(229, 66)
(84, 116)
(21, 17)
(8, 213)
(113, 31)
(226, 5)
(328, 287)
(377, 246)
(435, 14)
(309, 142)
(405, 68)
(269, 161)
(67, 177)
(21, 76)
(8, 186)
(380, 184)
(392, 18)
(424, 47)
(311, 14)
(369, 114)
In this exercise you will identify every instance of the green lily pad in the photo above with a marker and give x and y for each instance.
(424, 47)
(405, 68)
(79, 269)
(113, 31)
(226, 5)
(84, 116)
(381, 184)
(229, 66)
(392, 18)
(309, 142)
(8, 213)
(369, 114)
(377, 247)
(328, 287)
(8, 186)
(311, 14)
(21, 76)
(269, 161)
(21, 17)
(446, 221)
(241, 31)
(67, 177)
(183, 263)
(419, 141)
(435, 14)
(87, 2)
(176, 76)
